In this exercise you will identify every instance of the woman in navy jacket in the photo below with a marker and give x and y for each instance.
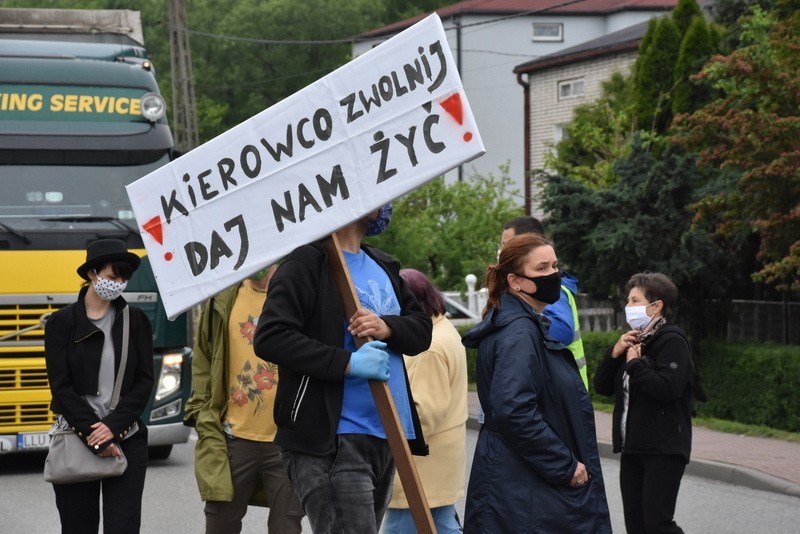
(83, 347)
(649, 373)
(536, 466)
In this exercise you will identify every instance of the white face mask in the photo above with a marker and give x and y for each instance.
(108, 289)
(637, 317)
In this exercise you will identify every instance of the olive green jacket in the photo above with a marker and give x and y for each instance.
(205, 406)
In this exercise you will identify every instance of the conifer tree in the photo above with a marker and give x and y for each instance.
(697, 47)
(654, 76)
(684, 13)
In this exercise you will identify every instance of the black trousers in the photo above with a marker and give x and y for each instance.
(649, 485)
(79, 504)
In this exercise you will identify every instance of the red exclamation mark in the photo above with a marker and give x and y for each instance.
(452, 105)
(154, 228)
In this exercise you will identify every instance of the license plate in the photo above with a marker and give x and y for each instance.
(33, 440)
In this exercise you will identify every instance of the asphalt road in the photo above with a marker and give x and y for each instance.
(172, 506)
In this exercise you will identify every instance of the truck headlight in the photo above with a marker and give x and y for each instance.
(153, 107)
(169, 381)
(168, 410)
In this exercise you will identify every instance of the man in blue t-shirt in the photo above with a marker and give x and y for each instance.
(332, 440)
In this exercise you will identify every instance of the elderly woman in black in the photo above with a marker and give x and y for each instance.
(649, 373)
(83, 347)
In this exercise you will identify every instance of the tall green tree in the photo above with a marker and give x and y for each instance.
(684, 13)
(255, 53)
(449, 231)
(653, 80)
(643, 223)
(596, 136)
(697, 47)
(753, 130)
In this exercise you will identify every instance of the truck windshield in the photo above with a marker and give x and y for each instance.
(32, 193)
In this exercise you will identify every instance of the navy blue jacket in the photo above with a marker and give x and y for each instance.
(539, 424)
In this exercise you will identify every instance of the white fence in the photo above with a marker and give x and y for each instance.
(747, 320)
(594, 316)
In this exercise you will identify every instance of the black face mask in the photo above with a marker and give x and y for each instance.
(548, 288)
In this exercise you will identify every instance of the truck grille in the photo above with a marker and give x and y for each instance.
(23, 324)
(23, 379)
(28, 414)
(24, 391)
(24, 394)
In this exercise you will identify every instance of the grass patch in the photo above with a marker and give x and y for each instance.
(720, 425)
(731, 427)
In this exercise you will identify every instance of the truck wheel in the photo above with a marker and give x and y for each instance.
(161, 452)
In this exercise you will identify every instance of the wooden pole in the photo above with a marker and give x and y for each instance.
(406, 468)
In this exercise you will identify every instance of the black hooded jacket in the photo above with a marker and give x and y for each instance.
(301, 329)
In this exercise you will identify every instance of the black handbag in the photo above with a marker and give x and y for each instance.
(69, 460)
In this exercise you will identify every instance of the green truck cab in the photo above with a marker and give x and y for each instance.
(81, 116)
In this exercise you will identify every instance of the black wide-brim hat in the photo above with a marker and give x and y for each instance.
(105, 251)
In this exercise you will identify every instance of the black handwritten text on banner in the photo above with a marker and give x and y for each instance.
(369, 132)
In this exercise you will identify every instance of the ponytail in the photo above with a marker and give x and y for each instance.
(496, 285)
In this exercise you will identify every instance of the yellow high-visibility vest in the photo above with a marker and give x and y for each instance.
(577, 343)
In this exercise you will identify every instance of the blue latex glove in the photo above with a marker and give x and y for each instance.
(370, 361)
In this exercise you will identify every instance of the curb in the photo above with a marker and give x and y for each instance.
(736, 475)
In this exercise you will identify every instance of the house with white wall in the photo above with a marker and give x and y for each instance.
(489, 38)
(556, 84)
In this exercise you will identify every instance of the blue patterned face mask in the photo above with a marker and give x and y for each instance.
(377, 225)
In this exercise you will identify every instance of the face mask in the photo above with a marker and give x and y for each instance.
(637, 317)
(548, 288)
(108, 289)
(377, 225)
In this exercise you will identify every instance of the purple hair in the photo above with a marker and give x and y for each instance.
(424, 291)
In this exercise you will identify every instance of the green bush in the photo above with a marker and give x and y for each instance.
(595, 345)
(755, 384)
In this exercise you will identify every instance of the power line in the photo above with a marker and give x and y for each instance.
(260, 83)
(272, 41)
(496, 53)
(352, 40)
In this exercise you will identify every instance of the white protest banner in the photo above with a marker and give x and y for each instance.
(369, 132)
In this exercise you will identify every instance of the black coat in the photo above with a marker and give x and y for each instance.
(659, 417)
(301, 328)
(539, 424)
(73, 347)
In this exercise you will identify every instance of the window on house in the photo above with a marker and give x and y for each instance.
(570, 89)
(560, 132)
(548, 31)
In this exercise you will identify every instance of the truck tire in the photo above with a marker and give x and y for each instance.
(160, 452)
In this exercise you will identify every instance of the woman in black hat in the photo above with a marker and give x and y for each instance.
(83, 348)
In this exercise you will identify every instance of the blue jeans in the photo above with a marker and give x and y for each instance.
(400, 521)
(347, 491)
